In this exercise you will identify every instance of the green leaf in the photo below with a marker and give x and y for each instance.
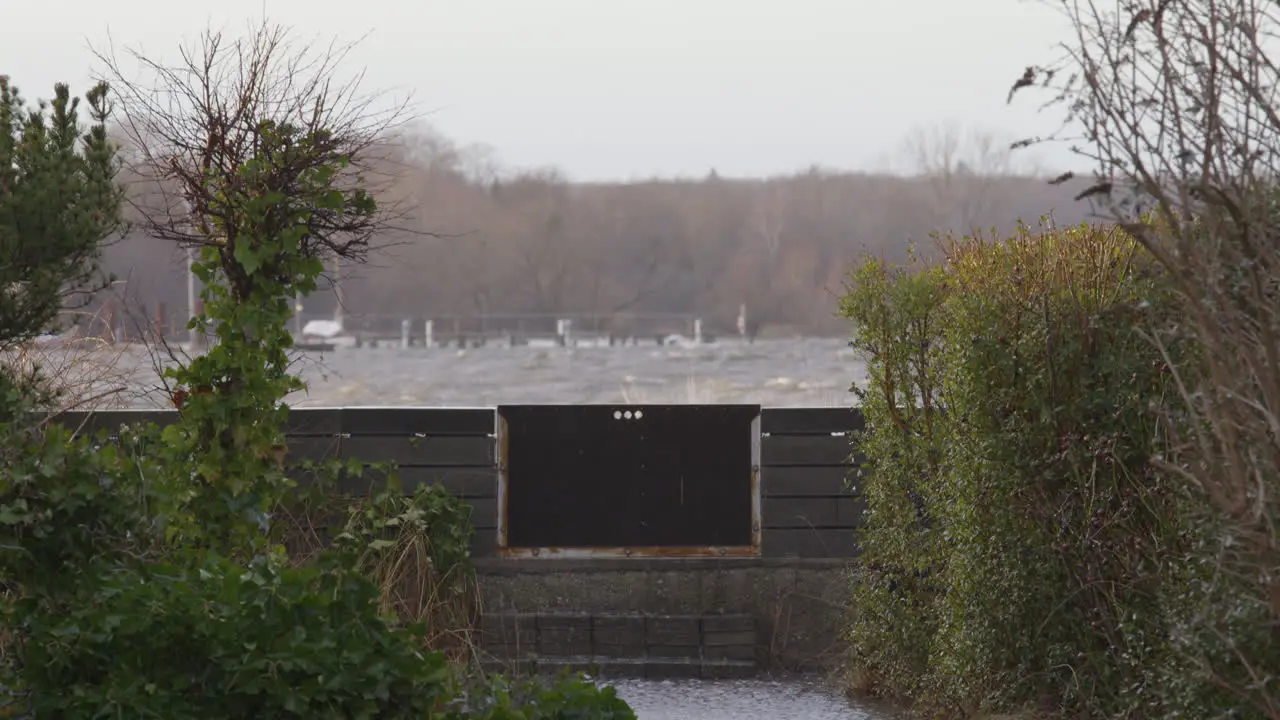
(247, 257)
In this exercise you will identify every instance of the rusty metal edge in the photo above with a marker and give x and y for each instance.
(757, 511)
(735, 551)
(558, 553)
(501, 455)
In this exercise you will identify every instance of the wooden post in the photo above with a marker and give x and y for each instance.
(697, 331)
(428, 334)
(404, 333)
(564, 330)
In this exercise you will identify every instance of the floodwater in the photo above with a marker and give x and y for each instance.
(772, 373)
(779, 699)
(787, 372)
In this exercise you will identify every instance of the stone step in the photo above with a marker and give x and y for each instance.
(653, 668)
(622, 639)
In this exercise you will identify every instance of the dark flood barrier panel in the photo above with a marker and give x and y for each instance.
(651, 476)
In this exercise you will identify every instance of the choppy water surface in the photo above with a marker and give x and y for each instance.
(775, 373)
(740, 700)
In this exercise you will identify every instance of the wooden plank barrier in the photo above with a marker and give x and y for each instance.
(454, 447)
(806, 457)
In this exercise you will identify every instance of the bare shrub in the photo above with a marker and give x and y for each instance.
(1175, 102)
(79, 371)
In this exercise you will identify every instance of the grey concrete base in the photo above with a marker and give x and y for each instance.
(647, 642)
(648, 668)
(798, 605)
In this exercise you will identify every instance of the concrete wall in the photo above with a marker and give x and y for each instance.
(799, 604)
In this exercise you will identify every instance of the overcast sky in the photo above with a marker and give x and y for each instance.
(621, 89)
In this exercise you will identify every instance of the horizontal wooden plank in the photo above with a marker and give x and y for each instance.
(484, 543)
(305, 421)
(484, 514)
(808, 543)
(803, 481)
(444, 450)
(851, 511)
(466, 482)
(410, 420)
(814, 512)
(806, 450)
(313, 421)
(90, 423)
(314, 448)
(462, 482)
(810, 421)
(799, 512)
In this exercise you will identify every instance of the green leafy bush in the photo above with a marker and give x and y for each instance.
(70, 507)
(223, 640)
(900, 324)
(1018, 533)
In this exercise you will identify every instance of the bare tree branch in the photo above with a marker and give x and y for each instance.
(1176, 105)
(193, 124)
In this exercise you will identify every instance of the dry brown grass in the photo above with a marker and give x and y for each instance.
(85, 372)
(445, 601)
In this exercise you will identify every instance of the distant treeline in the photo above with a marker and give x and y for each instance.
(531, 242)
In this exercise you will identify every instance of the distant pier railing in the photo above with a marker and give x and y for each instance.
(597, 481)
(516, 329)
(115, 325)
